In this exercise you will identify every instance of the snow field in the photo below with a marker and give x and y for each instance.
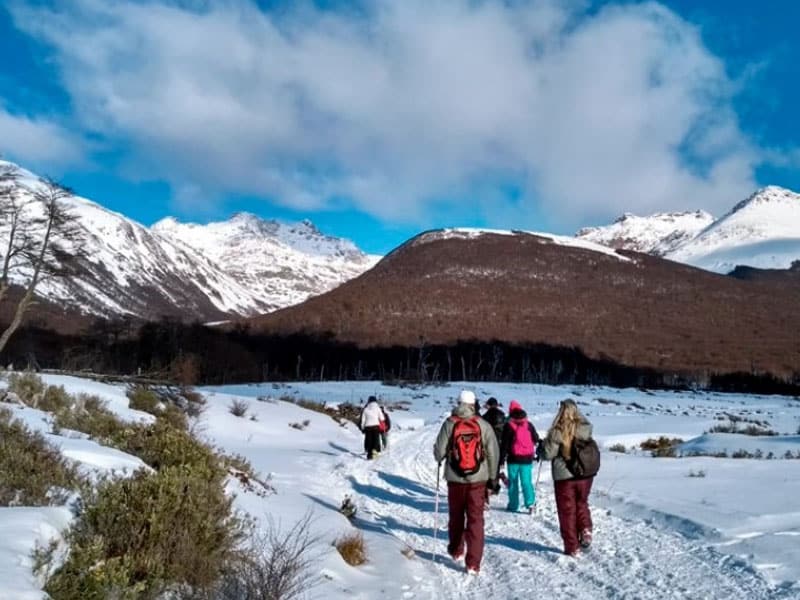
(659, 533)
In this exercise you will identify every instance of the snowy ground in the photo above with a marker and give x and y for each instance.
(732, 533)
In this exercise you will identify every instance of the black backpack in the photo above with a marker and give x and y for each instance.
(584, 459)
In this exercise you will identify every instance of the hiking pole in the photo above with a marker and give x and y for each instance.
(436, 513)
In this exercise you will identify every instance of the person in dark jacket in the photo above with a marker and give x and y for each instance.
(495, 417)
(497, 420)
(572, 495)
(518, 447)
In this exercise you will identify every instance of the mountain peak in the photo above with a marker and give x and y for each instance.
(771, 195)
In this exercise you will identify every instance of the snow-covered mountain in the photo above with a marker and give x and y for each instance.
(657, 234)
(242, 267)
(282, 264)
(762, 231)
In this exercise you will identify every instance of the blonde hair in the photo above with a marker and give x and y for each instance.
(566, 422)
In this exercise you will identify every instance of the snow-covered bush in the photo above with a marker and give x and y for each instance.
(32, 472)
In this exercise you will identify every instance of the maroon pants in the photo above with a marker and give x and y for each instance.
(572, 502)
(465, 503)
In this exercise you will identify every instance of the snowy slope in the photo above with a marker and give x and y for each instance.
(561, 240)
(762, 231)
(281, 264)
(657, 234)
(242, 267)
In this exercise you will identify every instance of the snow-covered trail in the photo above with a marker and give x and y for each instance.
(631, 557)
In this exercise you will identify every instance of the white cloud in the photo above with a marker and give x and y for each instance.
(406, 105)
(37, 141)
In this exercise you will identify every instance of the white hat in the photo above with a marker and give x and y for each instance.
(466, 397)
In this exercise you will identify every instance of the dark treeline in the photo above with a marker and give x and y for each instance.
(171, 349)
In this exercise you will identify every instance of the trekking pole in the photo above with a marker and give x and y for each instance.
(436, 513)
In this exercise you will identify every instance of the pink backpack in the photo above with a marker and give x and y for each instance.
(523, 440)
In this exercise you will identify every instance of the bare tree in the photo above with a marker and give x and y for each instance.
(40, 231)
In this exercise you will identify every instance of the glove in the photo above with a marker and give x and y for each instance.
(540, 451)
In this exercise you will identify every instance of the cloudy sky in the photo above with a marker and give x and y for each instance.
(378, 119)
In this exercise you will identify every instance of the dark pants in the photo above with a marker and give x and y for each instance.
(572, 502)
(465, 503)
(372, 441)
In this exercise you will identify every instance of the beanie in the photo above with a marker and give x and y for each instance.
(466, 397)
(514, 406)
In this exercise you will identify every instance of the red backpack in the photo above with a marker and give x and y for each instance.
(466, 446)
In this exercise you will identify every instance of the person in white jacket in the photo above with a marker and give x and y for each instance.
(371, 418)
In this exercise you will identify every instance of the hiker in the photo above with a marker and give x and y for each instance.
(470, 447)
(371, 418)
(518, 448)
(497, 419)
(572, 494)
(385, 425)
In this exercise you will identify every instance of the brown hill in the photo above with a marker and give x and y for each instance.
(632, 309)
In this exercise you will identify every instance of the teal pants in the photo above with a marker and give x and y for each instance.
(520, 475)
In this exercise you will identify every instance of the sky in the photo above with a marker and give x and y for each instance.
(379, 119)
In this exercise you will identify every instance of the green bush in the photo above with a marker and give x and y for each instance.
(143, 398)
(55, 399)
(32, 472)
(89, 415)
(162, 445)
(28, 386)
(154, 532)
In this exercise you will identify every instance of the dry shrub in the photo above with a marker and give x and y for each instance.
(238, 408)
(32, 472)
(275, 565)
(185, 370)
(352, 548)
(618, 448)
(661, 447)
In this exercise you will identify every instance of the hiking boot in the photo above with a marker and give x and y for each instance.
(586, 538)
(473, 571)
(575, 553)
(529, 509)
(457, 557)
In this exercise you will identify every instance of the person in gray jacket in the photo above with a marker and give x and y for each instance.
(572, 495)
(466, 488)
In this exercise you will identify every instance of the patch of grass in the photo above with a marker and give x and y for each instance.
(238, 408)
(663, 447)
(618, 448)
(608, 401)
(752, 428)
(300, 426)
(32, 472)
(352, 548)
(697, 474)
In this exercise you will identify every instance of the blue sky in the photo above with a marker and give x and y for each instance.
(377, 120)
